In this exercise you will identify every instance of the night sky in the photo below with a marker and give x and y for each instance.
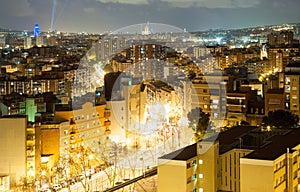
(109, 15)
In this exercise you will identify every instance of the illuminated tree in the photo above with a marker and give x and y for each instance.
(78, 165)
(26, 184)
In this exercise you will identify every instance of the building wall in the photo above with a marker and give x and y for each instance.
(207, 157)
(31, 109)
(273, 102)
(229, 169)
(192, 173)
(292, 85)
(172, 176)
(256, 175)
(13, 148)
(118, 119)
(50, 140)
(90, 124)
(294, 172)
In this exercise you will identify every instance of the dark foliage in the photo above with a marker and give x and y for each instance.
(281, 119)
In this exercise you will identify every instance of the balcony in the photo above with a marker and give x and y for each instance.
(107, 123)
(30, 148)
(30, 137)
(107, 114)
(31, 158)
(107, 131)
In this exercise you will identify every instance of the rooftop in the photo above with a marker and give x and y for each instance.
(182, 154)
(277, 146)
(226, 139)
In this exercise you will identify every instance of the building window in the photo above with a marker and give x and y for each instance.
(194, 163)
(188, 180)
(200, 161)
(225, 164)
(201, 176)
(287, 88)
(230, 164)
(188, 165)
(194, 177)
(201, 190)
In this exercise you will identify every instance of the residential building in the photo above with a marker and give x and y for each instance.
(274, 100)
(244, 158)
(291, 87)
(273, 167)
(88, 123)
(13, 148)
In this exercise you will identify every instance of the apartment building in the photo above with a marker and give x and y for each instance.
(241, 159)
(274, 167)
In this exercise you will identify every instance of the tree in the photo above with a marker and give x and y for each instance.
(26, 184)
(244, 123)
(281, 118)
(77, 166)
(199, 121)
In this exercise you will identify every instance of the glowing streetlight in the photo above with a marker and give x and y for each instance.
(43, 173)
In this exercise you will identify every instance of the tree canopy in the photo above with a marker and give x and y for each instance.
(199, 122)
(281, 118)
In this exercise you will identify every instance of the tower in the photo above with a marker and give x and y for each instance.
(36, 31)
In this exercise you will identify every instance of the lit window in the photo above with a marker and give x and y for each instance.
(200, 161)
(201, 176)
(200, 189)
(287, 88)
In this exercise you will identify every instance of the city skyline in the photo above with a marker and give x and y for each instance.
(149, 95)
(108, 15)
